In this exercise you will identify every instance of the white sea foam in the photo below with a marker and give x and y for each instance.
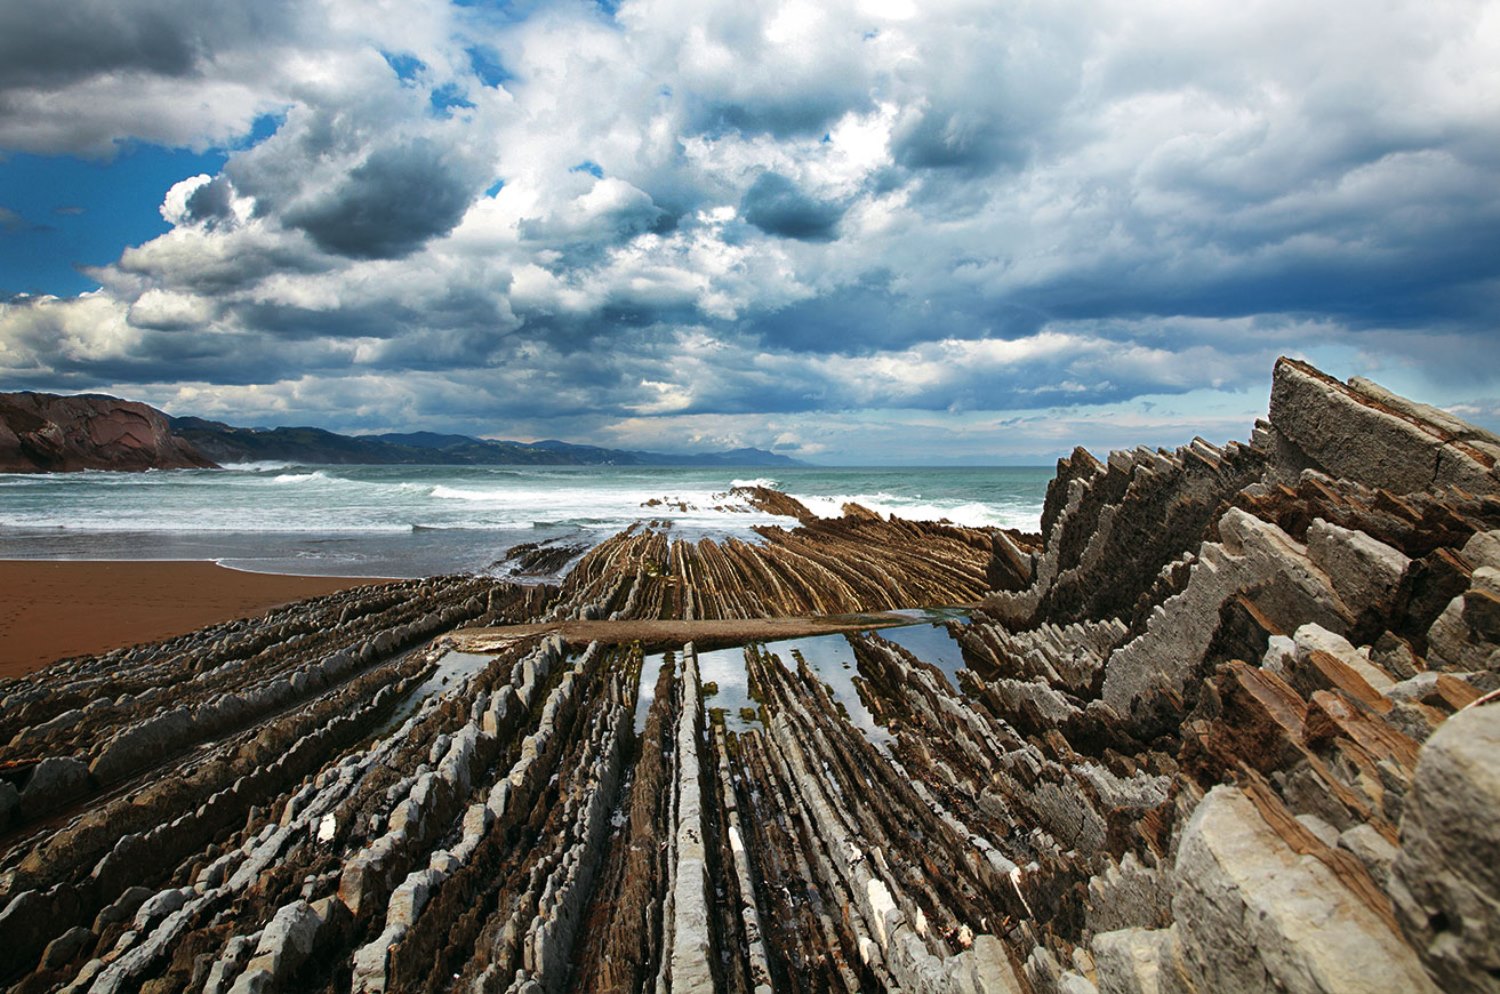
(266, 466)
(759, 481)
(495, 508)
(461, 493)
(970, 514)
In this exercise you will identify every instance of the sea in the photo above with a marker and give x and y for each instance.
(412, 521)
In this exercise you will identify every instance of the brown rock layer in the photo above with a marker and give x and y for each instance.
(45, 433)
(825, 566)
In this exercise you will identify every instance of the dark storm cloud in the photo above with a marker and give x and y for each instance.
(1383, 258)
(389, 205)
(252, 260)
(795, 115)
(461, 311)
(775, 205)
(585, 234)
(63, 40)
(872, 316)
(212, 202)
(720, 211)
(963, 140)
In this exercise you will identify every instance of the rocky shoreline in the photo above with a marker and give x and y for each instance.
(1224, 725)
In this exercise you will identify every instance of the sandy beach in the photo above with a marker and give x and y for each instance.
(53, 610)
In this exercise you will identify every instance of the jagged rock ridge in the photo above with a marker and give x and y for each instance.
(1224, 727)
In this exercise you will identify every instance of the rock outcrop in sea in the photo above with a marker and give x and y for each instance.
(1224, 726)
(45, 433)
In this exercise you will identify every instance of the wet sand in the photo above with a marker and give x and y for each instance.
(53, 610)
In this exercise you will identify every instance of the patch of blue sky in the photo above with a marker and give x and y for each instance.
(72, 213)
(63, 213)
(405, 65)
(485, 63)
(448, 96)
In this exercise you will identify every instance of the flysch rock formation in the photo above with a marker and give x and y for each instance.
(1224, 726)
(45, 433)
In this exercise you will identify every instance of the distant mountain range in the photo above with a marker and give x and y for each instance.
(225, 443)
(48, 433)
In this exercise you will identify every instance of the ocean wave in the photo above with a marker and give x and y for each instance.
(970, 514)
(305, 499)
(464, 493)
(759, 481)
(265, 466)
(472, 525)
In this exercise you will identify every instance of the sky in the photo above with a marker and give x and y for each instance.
(848, 231)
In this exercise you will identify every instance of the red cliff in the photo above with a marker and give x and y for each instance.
(45, 433)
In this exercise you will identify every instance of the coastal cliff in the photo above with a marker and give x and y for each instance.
(45, 433)
(1225, 725)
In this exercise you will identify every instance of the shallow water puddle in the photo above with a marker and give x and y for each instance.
(931, 642)
(828, 656)
(646, 693)
(725, 668)
(453, 668)
(726, 682)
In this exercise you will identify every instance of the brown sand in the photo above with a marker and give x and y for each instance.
(53, 610)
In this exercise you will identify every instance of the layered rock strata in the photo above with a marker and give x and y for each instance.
(859, 562)
(1224, 725)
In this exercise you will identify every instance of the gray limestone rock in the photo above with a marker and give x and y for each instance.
(1129, 895)
(285, 944)
(124, 907)
(1372, 849)
(1134, 961)
(1483, 549)
(1355, 431)
(1315, 638)
(142, 744)
(159, 906)
(55, 781)
(1366, 573)
(1421, 687)
(1446, 882)
(1466, 636)
(1255, 916)
(1254, 554)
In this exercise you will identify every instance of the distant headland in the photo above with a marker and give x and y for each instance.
(48, 433)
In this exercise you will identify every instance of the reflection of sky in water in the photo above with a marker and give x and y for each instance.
(726, 667)
(931, 644)
(828, 656)
(650, 671)
(452, 670)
